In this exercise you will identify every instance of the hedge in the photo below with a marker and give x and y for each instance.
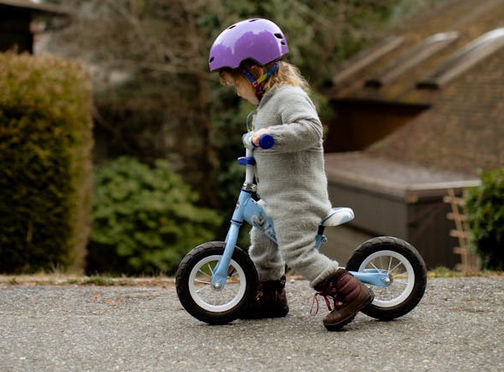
(45, 164)
(485, 213)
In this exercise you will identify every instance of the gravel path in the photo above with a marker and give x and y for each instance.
(457, 327)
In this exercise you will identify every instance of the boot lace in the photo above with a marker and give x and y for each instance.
(329, 293)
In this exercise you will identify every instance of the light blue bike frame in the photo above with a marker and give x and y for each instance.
(247, 209)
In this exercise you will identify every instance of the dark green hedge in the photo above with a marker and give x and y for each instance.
(45, 164)
(485, 213)
(145, 219)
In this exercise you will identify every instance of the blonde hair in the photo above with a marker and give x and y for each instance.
(286, 74)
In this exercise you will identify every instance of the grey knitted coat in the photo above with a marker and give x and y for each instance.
(292, 183)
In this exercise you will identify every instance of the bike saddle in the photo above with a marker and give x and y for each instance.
(338, 216)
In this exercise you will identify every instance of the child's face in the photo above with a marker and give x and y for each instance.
(244, 88)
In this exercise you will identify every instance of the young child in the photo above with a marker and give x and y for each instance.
(291, 179)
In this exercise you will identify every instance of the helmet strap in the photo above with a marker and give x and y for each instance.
(264, 77)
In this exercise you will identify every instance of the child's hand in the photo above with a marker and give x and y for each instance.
(256, 135)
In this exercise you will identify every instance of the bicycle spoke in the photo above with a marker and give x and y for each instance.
(232, 272)
(210, 269)
(204, 273)
(402, 282)
(202, 289)
(386, 293)
(374, 266)
(389, 264)
(395, 267)
(218, 299)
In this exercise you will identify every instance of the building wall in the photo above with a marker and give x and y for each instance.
(15, 30)
(429, 231)
(359, 124)
(420, 220)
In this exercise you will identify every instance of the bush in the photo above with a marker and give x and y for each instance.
(45, 163)
(144, 219)
(485, 211)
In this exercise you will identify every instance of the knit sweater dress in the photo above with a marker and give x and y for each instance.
(292, 183)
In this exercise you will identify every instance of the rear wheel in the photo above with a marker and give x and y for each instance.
(406, 269)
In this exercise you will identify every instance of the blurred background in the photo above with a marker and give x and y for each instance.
(160, 118)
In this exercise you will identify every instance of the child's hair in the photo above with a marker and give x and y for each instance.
(285, 74)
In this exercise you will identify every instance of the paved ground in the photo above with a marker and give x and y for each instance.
(459, 326)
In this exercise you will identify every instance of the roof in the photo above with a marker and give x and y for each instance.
(46, 9)
(414, 50)
(362, 171)
(459, 78)
(54, 17)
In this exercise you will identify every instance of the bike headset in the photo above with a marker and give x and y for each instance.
(257, 39)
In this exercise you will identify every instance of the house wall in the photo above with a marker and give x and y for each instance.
(342, 241)
(429, 231)
(359, 124)
(420, 220)
(15, 30)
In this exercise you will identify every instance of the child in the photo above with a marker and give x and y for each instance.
(291, 180)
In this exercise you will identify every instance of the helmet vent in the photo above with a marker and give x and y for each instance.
(279, 36)
(212, 59)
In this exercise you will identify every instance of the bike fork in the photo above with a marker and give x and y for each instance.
(373, 277)
(221, 271)
(368, 276)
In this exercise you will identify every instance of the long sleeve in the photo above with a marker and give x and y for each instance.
(293, 170)
(299, 127)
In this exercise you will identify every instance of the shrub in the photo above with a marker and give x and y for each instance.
(144, 219)
(45, 163)
(485, 212)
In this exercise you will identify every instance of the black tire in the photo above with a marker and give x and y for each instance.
(407, 271)
(201, 299)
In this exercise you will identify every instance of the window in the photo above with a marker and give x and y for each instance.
(463, 59)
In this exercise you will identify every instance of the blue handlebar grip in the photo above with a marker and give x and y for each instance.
(266, 141)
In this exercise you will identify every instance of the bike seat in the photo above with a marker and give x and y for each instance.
(338, 216)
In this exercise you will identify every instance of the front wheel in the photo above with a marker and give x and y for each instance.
(200, 298)
(406, 269)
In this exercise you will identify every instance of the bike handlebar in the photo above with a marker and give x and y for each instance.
(266, 141)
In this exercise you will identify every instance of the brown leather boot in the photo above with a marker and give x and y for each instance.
(270, 302)
(349, 295)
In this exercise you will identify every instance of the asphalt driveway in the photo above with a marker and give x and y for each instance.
(458, 326)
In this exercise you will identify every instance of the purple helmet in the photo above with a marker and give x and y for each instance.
(257, 39)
